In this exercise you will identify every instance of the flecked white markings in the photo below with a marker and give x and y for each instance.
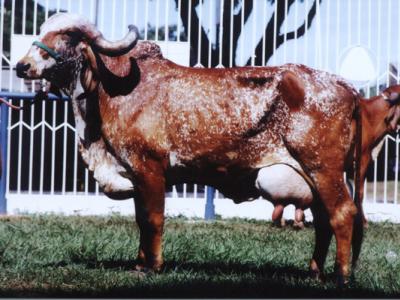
(107, 171)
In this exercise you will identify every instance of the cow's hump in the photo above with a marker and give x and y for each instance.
(145, 49)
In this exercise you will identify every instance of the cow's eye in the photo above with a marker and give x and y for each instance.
(73, 37)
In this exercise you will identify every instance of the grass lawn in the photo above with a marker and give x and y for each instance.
(93, 256)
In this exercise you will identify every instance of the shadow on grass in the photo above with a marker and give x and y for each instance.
(218, 280)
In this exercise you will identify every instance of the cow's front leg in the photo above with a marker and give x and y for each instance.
(149, 206)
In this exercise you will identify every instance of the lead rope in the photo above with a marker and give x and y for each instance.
(39, 96)
(4, 101)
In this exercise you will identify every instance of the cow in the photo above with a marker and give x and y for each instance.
(380, 115)
(145, 123)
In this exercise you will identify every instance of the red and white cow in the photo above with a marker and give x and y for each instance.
(145, 122)
(380, 115)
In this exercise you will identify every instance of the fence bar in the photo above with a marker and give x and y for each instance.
(285, 32)
(349, 28)
(328, 38)
(178, 22)
(24, 17)
(263, 37)
(231, 37)
(210, 207)
(375, 177)
(157, 19)
(211, 6)
(221, 30)
(53, 148)
(275, 30)
(337, 38)
(31, 148)
(64, 170)
(241, 29)
(35, 17)
(10, 81)
(166, 35)
(385, 171)
(306, 34)
(389, 41)
(113, 19)
(20, 127)
(3, 155)
(396, 174)
(125, 10)
(1, 40)
(28, 96)
(365, 190)
(199, 35)
(146, 20)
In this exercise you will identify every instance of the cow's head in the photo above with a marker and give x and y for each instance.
(392, 96)
(66, 42)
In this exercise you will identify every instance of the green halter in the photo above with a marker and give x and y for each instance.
(51, 52)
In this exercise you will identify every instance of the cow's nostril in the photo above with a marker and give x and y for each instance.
(21, 69)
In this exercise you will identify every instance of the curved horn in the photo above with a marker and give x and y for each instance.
(118, 47)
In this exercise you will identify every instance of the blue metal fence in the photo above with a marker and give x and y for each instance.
(4, 147)
(4, 138)
(3, 157)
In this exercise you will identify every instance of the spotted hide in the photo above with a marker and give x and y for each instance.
(145, 123)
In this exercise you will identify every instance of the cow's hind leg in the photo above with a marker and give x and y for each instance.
(277, 215)
(299, 218)
(323, 236)
(149, 206)
(358, 235)
(341, 211)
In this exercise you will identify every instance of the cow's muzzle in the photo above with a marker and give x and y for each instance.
(22, 69)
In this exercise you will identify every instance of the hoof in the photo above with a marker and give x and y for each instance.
(315, 272)
(140, 267)
(342, 282)
(137, 273)
(298, 225)
(279, 223)
(318, 276)
(365, 224)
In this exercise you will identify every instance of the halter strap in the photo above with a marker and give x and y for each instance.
(51, 52)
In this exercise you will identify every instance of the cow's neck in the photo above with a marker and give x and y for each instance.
(107, 170)
(87, 120)
(374, 112)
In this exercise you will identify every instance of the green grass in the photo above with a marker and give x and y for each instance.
(93, 257)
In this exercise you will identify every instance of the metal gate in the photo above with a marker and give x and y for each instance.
(354, 38)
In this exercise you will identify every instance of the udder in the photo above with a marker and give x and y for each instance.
(282, 185)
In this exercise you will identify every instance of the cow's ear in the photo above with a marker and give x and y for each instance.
(90, 74)
(90, 58)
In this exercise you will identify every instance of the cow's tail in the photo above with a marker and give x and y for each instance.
(358, 228)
